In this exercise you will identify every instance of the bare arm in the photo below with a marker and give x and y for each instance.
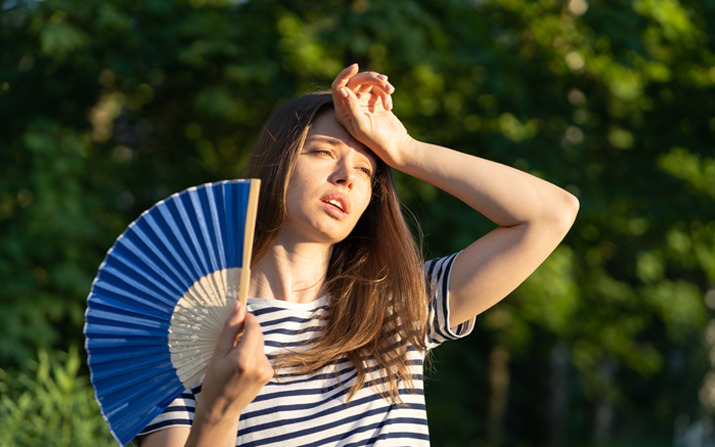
(169, 437)
(532, 215)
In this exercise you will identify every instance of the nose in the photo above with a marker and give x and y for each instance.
(343, 176)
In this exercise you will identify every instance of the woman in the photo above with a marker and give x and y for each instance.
(330, 352)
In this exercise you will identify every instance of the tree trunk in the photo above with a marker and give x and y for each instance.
(499, 393)
(604, 414)
(559, 394)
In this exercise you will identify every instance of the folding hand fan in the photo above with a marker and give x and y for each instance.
(161, 296)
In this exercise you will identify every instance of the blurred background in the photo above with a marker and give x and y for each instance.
(107, 107)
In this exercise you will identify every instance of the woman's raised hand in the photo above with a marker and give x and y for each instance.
(363, 104)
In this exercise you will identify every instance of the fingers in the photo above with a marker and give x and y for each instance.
(242, 329)
(233, 326)
(368, 82)
(351, 107)
(251, 359)
(237, 372)
(341, 80)
(373, 83)
(252, 336)
(242, 341)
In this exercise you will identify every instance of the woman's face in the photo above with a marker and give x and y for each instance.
(331, 186)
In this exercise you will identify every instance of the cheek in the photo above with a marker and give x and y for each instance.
(295, 193)
(299, 182)
(365, 196)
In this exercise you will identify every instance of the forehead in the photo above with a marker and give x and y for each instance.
(327, 130)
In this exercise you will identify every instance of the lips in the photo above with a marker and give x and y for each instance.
(338, 202)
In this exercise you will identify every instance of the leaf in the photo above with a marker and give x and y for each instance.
(59, 39)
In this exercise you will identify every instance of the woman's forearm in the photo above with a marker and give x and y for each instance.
(505, 195)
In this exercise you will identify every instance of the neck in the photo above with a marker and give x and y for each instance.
(294, 273)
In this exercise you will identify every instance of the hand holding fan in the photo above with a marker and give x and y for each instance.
(161, 297)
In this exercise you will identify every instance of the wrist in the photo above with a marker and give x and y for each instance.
(404, 154)
(212, 428)
(220, 412)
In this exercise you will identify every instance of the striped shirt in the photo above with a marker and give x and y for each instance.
(301, 410)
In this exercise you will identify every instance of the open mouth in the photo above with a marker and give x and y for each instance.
(336, 203)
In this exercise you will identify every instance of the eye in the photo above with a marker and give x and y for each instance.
(323, 152)
(366, 171)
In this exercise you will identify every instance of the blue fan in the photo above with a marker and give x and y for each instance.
(161, 296)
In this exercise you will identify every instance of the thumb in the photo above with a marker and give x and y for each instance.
(232, 327)
(349, 107)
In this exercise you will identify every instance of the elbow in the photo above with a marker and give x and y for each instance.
(554, 216)
(557, 215)
(553, 220)
(565, 213)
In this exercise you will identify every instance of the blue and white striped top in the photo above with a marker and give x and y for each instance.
(299, 410)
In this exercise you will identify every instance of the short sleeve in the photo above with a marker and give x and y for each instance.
(437, 273)
(180, 412)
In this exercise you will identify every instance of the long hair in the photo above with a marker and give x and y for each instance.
(375, 273)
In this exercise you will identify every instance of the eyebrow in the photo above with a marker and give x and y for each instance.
(325, 139)
(332, 141)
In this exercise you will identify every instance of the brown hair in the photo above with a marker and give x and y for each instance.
(374, 273)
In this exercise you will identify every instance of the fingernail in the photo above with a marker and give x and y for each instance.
(343, 92)
(382, 77)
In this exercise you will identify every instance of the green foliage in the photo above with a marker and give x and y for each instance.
(110, 106)
(55, 406)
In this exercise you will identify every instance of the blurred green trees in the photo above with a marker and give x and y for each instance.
(54, 406)
(110, 106)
